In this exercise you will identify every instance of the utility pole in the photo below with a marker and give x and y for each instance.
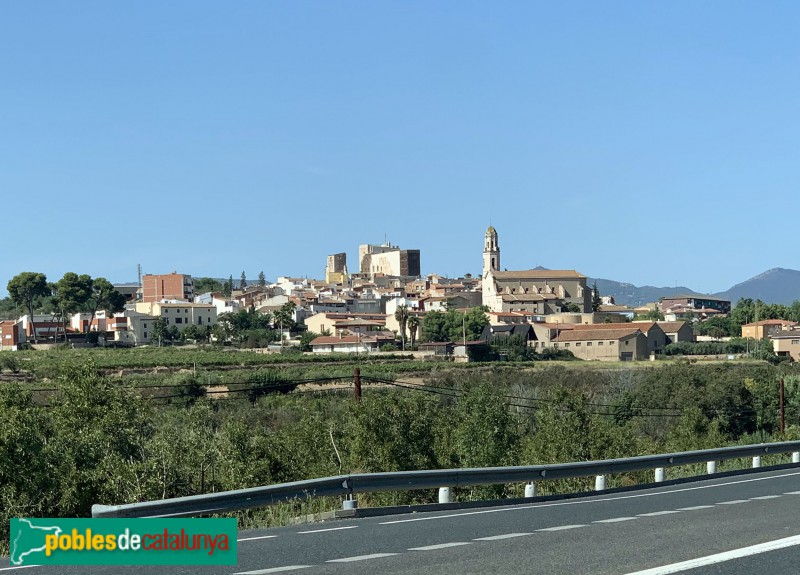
(357, 383)
(783, 414)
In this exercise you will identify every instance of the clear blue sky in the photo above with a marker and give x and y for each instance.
(649, 142)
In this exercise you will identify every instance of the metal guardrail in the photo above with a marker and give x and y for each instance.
(346, 485)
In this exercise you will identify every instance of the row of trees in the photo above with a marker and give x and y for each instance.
(203, 285)
(71, 294)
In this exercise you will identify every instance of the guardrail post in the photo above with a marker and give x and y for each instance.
(711, 467)
(444, 495)
(530, 489)
(796, 457)
(756, 461)
(349, 503)
(600, 483)
(660, 475)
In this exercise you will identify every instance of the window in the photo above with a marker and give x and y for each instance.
(178, 320)
(166, 310)
(578, 344)
(588, 343)
(795, 341)
(599, 343)
(611, 342)
(566, 345)
(627, 342)
(145, 335)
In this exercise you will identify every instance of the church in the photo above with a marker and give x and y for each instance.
(537, 291)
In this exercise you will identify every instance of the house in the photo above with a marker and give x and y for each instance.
(765, 328)
(656, 338)
(694, 304)
(157, 287)
(677, 331)
(351, 343)
(219, 301)
(48, 328)
(439, 348)
(621, 310)
(326, 321)
(539, 291)
(180, 314)
(9, 335)
(621, 344)
(786, 343)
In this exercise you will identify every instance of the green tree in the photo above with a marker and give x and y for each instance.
(27, 290)
(413, 327)
(230, 285)
(159, 330)
(284, 317)
(71, 294)
(203, 285)
(243, 281)
(305, 340)
(262, 279)
(597, 301)
(434, 327)
(401, 315)
(103, 296)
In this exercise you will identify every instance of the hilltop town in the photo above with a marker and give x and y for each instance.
(387, 305)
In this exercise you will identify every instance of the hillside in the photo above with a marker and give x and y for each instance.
(634, 296)
(778, 285)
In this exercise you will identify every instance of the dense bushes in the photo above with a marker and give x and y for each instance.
(96, 441)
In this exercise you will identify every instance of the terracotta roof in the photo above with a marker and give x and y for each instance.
(537, 274)
(786, 335)
(763, 322)
(671, 326)
(596, 334)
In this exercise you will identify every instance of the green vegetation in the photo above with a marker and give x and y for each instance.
(454, 325)
(99, 439)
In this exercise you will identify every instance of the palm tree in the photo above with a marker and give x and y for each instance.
(413, 326)
(401, 315)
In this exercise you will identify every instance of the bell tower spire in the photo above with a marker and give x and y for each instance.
(491, 251)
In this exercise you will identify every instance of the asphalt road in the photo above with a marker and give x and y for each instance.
(742, 524)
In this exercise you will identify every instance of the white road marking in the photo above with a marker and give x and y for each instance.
(657, 513)
(764, 497)
(256, 538)
(440, 546)
(360, 558)
(273, 570)
(721, 557)
(593, 500)
(614, 520)
(733, 502)
(792, 493)
(561, 528)
(330, 529)
(506, 536)
(20, 567)
(696, 508)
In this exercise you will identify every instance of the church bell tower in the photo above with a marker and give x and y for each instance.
(491, 252)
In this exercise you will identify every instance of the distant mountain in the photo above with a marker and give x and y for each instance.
(635, 296)
(778, 285)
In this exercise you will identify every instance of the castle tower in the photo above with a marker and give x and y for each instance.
(491, 251)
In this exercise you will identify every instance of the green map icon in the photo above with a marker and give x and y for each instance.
(28, 540)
